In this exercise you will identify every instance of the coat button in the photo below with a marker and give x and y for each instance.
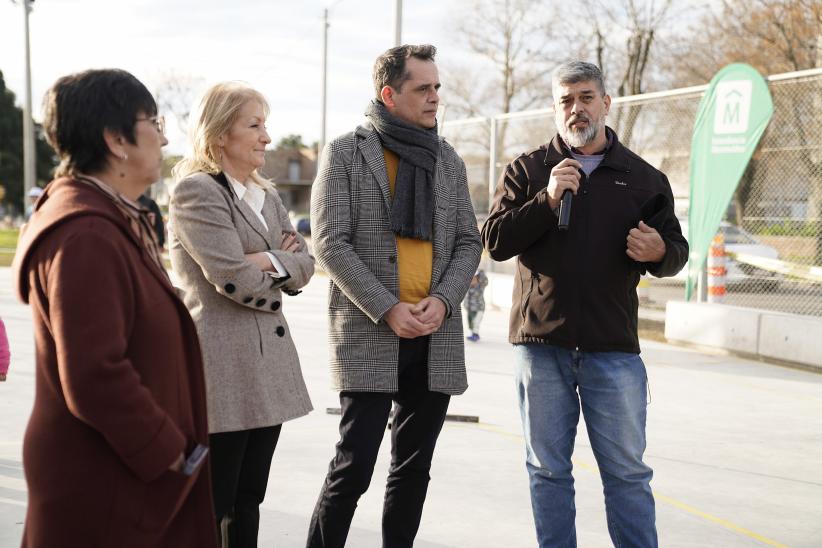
(229, 288)
(275, 305)
(392, 259)
(248, 300)
(281, 331)
(260, 302)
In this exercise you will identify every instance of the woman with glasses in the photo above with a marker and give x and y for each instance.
(235, 253)
(114, 452)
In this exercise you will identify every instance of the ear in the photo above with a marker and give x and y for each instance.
(115, 142)
(607, 100)
(387, 96)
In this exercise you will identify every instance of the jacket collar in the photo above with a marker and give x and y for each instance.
(245, 209)
(616, 155)
(64, 199)
(370, 146)
(371, 149)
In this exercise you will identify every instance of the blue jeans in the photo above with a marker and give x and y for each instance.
(612, 388)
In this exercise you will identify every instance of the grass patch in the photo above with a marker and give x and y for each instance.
(799, 259)
(790, 228)
(8, 238)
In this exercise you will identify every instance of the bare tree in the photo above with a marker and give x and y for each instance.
(622, 37)
(519, 42)
(773, 36)
(513, 47)
(513, 42)
(175, 93)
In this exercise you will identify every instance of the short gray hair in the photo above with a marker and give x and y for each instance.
(574, 72)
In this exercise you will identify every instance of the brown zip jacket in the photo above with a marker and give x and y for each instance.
(577, 288)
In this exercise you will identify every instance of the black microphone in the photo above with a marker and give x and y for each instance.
(565, 209)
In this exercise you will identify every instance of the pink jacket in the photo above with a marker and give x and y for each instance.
(5, 355)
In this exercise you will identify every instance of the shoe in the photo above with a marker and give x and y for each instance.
(473, 337)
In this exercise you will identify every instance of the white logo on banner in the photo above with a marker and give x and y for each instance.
(733, 107)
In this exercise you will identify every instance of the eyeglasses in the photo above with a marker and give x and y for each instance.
(158, 121)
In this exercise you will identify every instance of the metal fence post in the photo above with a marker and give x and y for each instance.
(702, 285)
(29, 150)
(492, 160)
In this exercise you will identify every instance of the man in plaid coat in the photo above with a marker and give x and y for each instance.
(394, 228)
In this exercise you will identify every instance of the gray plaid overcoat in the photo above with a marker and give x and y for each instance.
(350, 204)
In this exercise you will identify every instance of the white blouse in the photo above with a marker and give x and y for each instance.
(254, 196)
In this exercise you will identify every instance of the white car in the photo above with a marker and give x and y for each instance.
(737, 240)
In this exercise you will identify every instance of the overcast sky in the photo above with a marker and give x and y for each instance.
(274, 45)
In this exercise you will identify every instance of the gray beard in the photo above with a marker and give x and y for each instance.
(579, 138)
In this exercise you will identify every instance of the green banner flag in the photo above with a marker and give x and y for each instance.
(732, 116)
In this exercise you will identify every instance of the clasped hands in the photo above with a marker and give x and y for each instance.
(409, 321)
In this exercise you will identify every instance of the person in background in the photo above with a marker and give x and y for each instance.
(33, 195)
(155, 217)
(5, 354)
(115, 449)
(474, 304)
(233, 247)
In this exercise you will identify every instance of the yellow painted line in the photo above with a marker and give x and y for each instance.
(731, 526)
(719, 521)
(804, 271)
(14, 484)
(12, 502)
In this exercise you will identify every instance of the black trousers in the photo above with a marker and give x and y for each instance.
(418, 418)
(240, 462)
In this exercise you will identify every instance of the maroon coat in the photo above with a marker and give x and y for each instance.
(119, 385)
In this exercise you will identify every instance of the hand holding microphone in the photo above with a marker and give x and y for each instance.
(562, 183)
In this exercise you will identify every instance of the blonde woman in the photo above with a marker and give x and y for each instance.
(235, 252)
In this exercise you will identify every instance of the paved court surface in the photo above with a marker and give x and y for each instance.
(736, 446)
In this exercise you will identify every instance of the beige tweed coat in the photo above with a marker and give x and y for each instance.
(253, 376)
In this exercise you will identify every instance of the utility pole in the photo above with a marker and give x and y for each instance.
(28, 124)
(398, 23)
(321, 144)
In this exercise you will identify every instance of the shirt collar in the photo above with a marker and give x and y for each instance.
(252, 194)
(239, 188)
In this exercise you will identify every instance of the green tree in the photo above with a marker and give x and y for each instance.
(11, 150)
(169, 161)
(291, 141)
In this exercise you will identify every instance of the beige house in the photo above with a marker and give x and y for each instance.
(293, 171)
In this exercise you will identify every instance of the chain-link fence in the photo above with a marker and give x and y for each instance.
(773, 228)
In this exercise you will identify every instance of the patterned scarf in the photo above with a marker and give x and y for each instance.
(412, 211)
(137, 217)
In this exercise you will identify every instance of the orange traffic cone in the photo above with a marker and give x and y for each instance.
(716, 270)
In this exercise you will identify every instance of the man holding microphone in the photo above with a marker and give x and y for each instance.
(586, 217)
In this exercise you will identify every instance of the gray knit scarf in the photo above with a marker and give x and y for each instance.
(412, 211)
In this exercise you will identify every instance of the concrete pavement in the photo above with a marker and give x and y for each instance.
(736, 446)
